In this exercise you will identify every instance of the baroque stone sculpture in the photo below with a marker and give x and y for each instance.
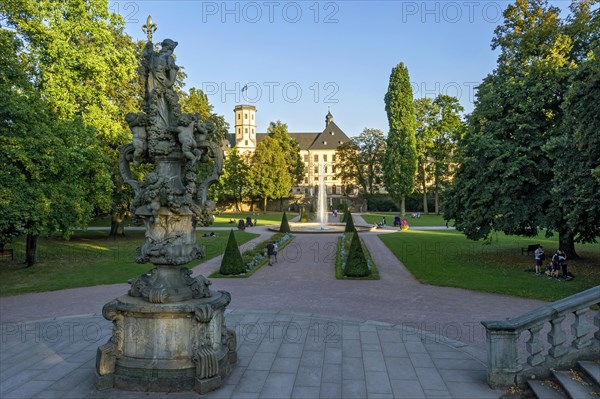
(169, 332)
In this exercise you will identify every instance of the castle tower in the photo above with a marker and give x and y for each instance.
(328, 118)
(245, 127)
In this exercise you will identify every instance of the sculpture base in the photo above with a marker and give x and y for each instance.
(170, 347)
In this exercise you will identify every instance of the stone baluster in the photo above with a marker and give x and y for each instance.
(580, 329)
(597, 324)
(503, 357)
(535, 346)
(557, 338)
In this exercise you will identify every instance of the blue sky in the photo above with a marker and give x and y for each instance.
(301, 58)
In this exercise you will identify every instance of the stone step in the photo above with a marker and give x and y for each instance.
(575, 386)
(592, 369)
(546, 389)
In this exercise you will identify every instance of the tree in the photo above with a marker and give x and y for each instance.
(349, 223)
(195, 101)
(269, 172)
(519, 170)
(400, 161)
(359, 161)
(291, 149)
(235, 180)
(356, 262)
(53, 172)
(83, 65)
(426, 112)
(284, 227)
(232, 262)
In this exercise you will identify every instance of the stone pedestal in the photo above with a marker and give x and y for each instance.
(166, 347)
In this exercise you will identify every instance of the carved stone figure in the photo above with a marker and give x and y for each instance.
(169, 332)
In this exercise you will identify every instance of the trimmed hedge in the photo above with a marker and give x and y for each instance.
(356, 262)
(285, 226)
(232, 262)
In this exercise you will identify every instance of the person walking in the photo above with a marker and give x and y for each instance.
(270, 252)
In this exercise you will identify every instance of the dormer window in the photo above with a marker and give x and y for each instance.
(324, 142)
(331, 133)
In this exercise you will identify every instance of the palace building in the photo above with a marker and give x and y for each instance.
(315, 147)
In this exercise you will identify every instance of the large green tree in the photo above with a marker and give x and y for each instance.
(235, 179)
(53, 171)
(269, 173)
(400, 161)
(84, 65)
(359, 161)
(279, 132)
(519, 167)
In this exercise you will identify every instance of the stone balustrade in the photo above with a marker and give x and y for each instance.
(559, 350)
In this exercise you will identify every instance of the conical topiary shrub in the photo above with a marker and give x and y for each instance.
(285, 226)
(345, 214)
(349, 224)
(356, 263)
(232, 262)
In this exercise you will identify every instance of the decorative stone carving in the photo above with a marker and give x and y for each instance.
(169, 332)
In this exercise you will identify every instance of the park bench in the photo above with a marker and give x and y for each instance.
(530, 248)
(5, 253)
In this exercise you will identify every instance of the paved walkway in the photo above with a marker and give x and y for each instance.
(433, 345)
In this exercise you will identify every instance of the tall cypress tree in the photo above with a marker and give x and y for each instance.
(400, 162)
(356, 263)
(285, 226)
(349, 224)
(232, 262)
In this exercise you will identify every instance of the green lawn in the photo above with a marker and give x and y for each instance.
(89, 258)
(447, 258)
(424, 220)
(262, 218)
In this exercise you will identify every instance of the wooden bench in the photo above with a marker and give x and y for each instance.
(530, 248)
(5, 253)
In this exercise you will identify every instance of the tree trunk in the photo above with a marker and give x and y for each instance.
(437, 200)
(403, 206)
(265, 205)
(425, 208)
(116, 226)
(31, 249)
(567, 244)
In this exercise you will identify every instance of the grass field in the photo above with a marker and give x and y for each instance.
(424, 220)
(447, 258)
(89, 258)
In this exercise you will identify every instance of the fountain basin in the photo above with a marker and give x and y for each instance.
(318, 228)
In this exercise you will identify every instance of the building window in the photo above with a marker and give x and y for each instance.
(325, 158)
(239, 130)
(306, 158)
(306, 180)
(316, 170)
(246, 143)
(239, 116)
(252, 116)
(252, 130)
(246, 130)
(316, 158)
(334, 189)
(245, 116)
(333, 158)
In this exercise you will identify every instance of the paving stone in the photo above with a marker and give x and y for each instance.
(31, 388)
(17, 380)
(369, 337)
(415, 347)
(309, 376)
(394, 349)
(73, 379)
(332, 373)
(407, 389)
(285, 365)
(471, 390)
(377, 382)
(477, 376)
(371, 347)
(302, 392)
(278, 386)
(268, 345)
(333, 356)
(262, 361)
(351, 348)
(50, 394)
(312, 358)
(373, 361)
(421, 360)
(245, 395)
(389, 335)
(252, 381)
(235, 376)
(224, 392)
(353, 368)
(430, 378)
(400, 368)
(350, 332)
(448, 354)
(437, 394)
(354, 389)
(331, 390)
(458, 364)
(290, 350)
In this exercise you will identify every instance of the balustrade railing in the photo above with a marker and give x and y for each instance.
(560, 349)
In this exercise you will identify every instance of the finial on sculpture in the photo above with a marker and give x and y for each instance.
(149, 28)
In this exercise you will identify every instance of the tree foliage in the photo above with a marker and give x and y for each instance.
(279, 132)
(53, 171)
(400, 161)
(359, 161)
(520, 168)
(269, 172)
(356, 262)
(284, 227)
(235, 181)
(232, 262)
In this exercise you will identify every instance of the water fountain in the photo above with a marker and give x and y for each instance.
(322, 198)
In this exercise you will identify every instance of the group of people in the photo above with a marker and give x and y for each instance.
(558, 264)
(242, 224)
(272, 252)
